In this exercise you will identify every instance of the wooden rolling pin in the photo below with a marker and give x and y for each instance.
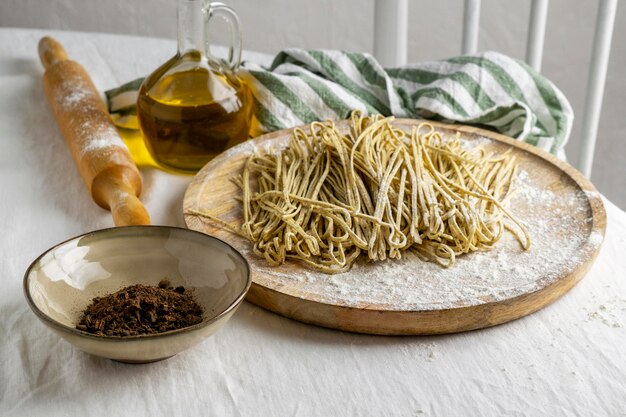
(100, 154)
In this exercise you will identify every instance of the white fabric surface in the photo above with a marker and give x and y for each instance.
(567, 359)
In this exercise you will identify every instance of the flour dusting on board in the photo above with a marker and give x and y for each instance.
(553, 221)
(474, 143)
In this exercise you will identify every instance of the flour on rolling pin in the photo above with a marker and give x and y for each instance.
(77, 97)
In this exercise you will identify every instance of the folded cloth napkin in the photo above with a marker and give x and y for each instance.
(487, 89)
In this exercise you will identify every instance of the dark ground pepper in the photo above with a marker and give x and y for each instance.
(141, 309)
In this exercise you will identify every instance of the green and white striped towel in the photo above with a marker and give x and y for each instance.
(487, 89)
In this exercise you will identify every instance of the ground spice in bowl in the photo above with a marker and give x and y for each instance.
(140, 310)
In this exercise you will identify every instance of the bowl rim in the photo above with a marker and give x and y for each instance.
(72, 330)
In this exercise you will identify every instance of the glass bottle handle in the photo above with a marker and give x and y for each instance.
(235, 47)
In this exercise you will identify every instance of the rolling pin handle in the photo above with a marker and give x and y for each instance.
(127, 210)
(51, 52)
(116, 189)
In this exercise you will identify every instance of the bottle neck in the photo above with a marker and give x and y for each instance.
(191, 26)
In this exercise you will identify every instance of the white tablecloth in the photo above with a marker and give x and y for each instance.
(568, 359)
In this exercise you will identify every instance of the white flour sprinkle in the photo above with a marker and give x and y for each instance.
(99, 137)
(474, 143)
(74, 92)
(595, 238)
(75, 97)
(609, 313)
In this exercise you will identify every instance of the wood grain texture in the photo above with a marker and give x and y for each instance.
(212, 191)
(103, 160)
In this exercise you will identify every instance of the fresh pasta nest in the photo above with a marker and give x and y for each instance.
(375, 192)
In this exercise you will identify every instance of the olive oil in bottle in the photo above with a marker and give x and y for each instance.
(194, 106)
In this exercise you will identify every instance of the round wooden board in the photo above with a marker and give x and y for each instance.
(563, 211)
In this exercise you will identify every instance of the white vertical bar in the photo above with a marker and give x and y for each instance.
(391, 32)
(536, 33)
(471, 23)
(595, 84)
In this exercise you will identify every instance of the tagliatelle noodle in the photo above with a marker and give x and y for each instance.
(375, 192)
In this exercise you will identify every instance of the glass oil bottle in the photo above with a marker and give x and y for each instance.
(194, 106)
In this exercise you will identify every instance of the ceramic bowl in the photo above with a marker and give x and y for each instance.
(62, 282)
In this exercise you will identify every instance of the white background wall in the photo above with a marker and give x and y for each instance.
(434, 32)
